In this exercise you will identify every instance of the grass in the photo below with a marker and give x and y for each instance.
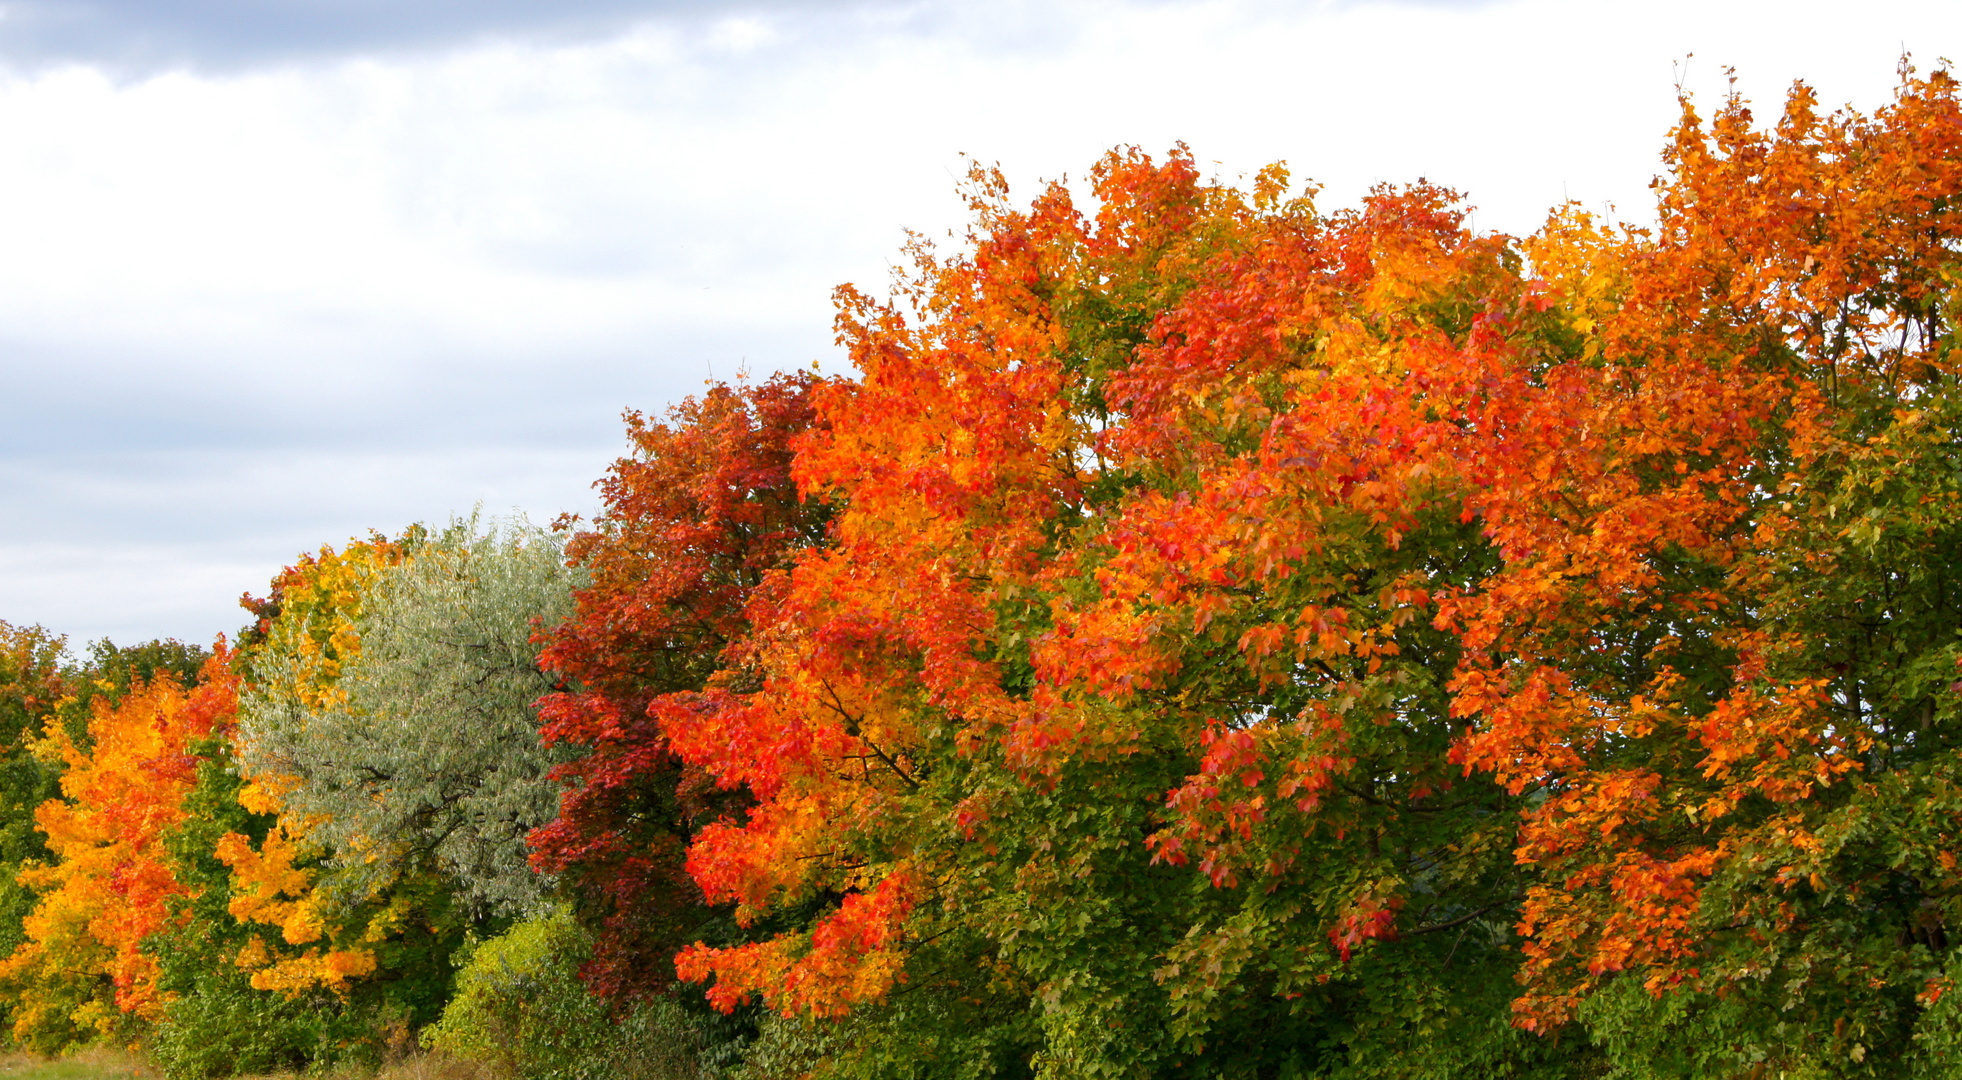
(414, 1067)
(102, 1063)
(95, 1063)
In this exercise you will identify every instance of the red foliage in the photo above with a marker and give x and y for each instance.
(695, 523)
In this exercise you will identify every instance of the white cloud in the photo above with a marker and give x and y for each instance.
(386, 281)
(146, 544)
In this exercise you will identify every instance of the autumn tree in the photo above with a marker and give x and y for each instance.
(696, 524)
(1745, 852)
(45, 692)
(1059, 593)
(270, 967)
(107, 886)
(35, 678)
(1346, 612)
(33, 683)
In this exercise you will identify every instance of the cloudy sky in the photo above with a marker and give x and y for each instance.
(274, 273)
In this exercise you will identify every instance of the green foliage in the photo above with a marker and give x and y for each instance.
(519, 1004)
(223, 1027)
(931, 1033)
(216, 1024)
(32, 687)
(112, 669)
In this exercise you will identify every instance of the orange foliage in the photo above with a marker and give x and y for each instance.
(109, 890)
(267, 888)
(1618, 415)
(951, 462)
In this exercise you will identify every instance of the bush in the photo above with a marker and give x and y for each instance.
(215, 1023)
(225, 1028)
(520, 1006)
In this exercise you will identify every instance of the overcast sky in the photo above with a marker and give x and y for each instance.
(279, 272)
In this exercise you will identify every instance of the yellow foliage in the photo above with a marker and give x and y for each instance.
(314, 636)
(268, 888)
(331, 968)
(298, 663)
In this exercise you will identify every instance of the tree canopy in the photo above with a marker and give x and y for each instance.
(1209, 635)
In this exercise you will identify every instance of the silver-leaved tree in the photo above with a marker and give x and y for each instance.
(432, 753)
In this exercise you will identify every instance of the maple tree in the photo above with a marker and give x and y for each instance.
(108, 888)
(694, 524)
(1743, 853)
(1309, 602)
(1027, 631)
(43, 690)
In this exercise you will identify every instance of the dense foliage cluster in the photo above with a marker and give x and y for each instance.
(429, 753)
(1209, 636)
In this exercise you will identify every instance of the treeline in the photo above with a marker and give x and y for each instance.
(1209, 637)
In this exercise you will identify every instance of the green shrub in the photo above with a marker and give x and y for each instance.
(216, 1024)
(520, 1006)
(223, 1028)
